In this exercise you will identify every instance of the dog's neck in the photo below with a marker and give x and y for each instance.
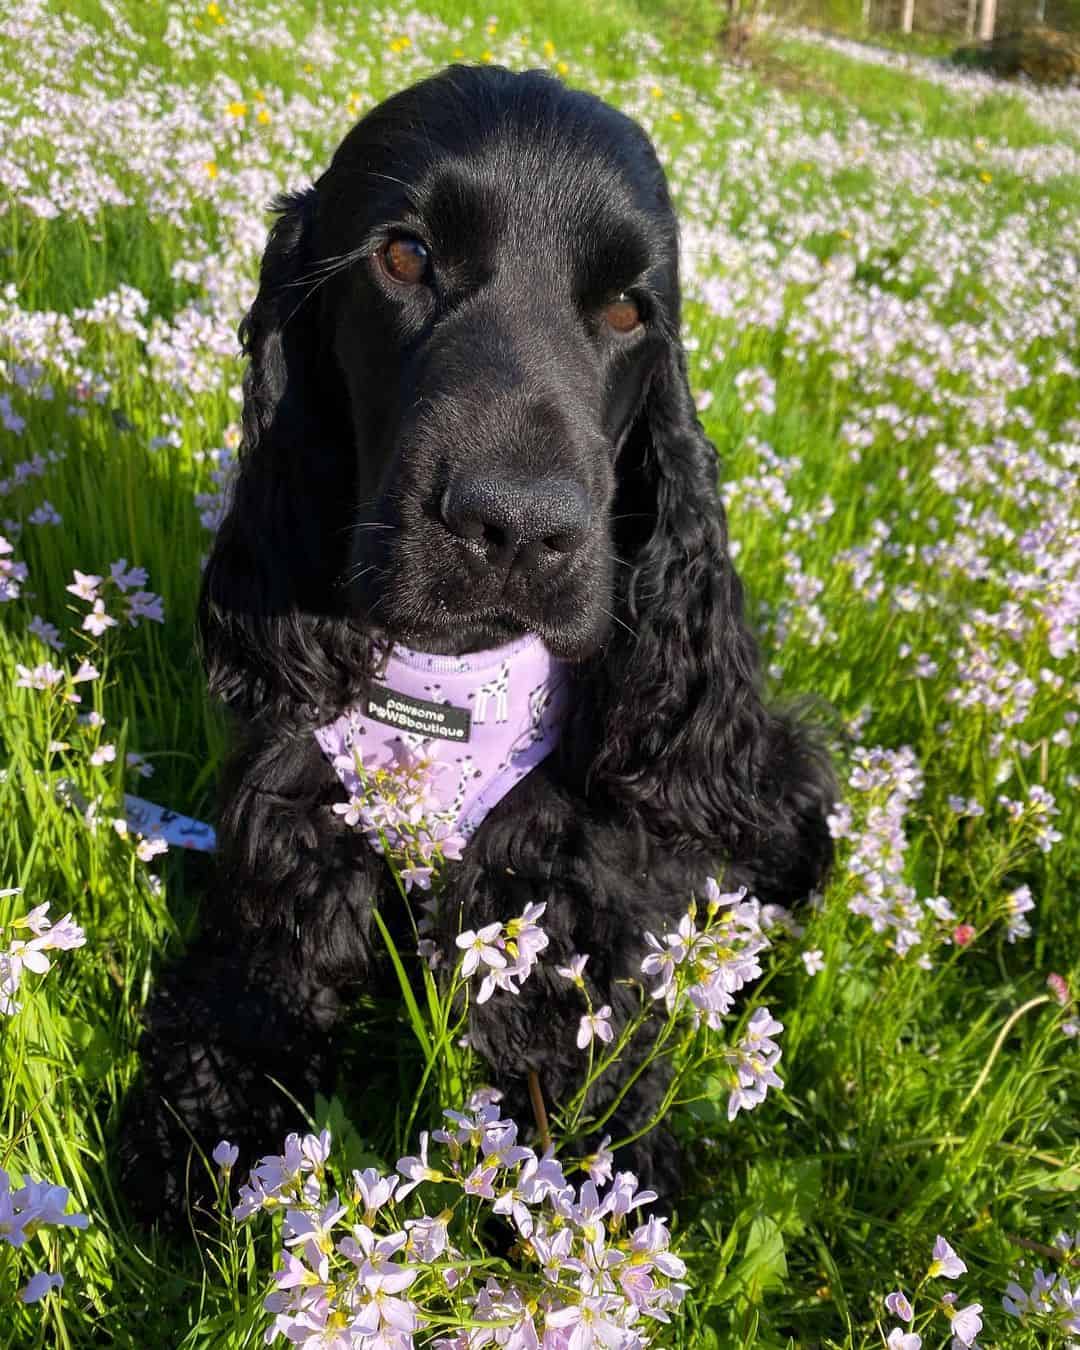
(482, 719)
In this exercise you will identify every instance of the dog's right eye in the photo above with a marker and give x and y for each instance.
(405, 260)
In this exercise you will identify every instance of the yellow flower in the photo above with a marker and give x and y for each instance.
(211, 168)
(259, 96)
(561, 68)
(237, 109)
(487, 58)
(459, 55)
(492, 28)
(656, 91)
(263, 116)
(986, 177)
(846, 234)
(212, 10)
(549, 48)
(676, 116)
(308, 68)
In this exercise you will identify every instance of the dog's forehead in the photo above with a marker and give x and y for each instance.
(508, 164)
(516, 200)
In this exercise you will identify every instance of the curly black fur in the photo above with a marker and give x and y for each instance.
(367, 401)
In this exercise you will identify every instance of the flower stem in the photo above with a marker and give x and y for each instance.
(1009, 1024)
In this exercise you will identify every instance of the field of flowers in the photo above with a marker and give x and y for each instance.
(882, 272)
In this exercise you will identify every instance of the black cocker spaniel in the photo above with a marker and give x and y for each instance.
(467, 419)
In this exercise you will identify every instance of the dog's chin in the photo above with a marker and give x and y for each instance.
(572, 635)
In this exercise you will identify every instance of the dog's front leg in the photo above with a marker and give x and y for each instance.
(241, 1025)
(595, 904)
(535, 1035)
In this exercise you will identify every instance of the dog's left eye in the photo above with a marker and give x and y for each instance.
(405, 260)
(623, 314)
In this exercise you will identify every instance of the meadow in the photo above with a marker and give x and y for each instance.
(881, 265)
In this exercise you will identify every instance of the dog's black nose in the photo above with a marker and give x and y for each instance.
(533, 526)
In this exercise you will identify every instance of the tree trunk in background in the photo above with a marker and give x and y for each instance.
(907, 16)
(986, 19)
(972, 15)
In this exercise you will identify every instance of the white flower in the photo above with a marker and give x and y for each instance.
(596, 1024)
(97, 621)
(946, 1263)
(813, 960)
(574, 971)
(599, 1164)
(225, 1155)
(352, 810)
(374, 1189)
(966, 1324)
(416, 1169)
(478, 946)
(84, 586)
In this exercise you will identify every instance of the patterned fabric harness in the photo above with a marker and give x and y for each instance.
(486, 718)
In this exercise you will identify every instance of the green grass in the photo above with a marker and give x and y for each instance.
(906, 1113)
(919, 108)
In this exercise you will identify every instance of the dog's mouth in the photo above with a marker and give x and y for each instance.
(444, 631)
(442, 618)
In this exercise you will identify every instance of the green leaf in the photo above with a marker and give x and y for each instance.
(1064, 1179)
(763, 1265)
(788, 1192)
(349, 1142)
(96, 1055)
(416, 1021)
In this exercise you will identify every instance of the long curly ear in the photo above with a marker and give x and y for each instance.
(686, 742)
(269, 642)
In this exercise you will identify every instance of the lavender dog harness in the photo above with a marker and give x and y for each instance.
(483, 720)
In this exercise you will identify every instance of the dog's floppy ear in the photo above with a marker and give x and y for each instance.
(268, 644)
(685, 740)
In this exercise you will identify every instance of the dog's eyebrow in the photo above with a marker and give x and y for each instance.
(460, 206)
(610, 260)
(363, 194)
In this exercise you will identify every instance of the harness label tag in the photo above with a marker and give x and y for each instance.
(440, 720)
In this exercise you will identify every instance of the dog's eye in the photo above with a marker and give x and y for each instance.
(405, 260)
(623, 314)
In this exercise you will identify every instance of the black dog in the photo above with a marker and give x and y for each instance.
(467, 418)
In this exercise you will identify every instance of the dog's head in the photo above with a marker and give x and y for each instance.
(455, 330)
(509, 284)
(467, 417)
